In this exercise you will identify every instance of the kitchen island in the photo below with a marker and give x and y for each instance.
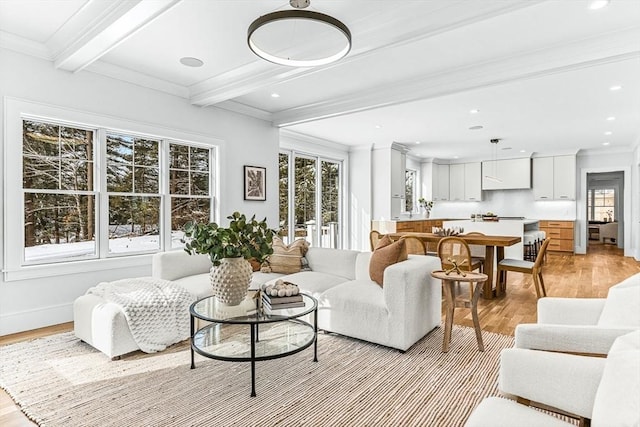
(503, 227)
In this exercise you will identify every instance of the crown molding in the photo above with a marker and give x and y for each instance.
(244, 109)
(137, 78)
(25, 46)
(290, 138)
(598, 50)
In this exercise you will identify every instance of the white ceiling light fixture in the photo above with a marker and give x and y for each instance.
(611, 118)
(494, 177)
(275, 95)
(474, 111)
(615, 88)
(299, 38)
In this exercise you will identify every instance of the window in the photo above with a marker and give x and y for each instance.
(80, 193)
(601, 204)
(59, 197)
(410, 190)
(189, 187)
(315, 186)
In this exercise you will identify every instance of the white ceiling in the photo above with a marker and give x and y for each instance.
(538, 71)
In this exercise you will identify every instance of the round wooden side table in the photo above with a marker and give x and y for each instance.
(448, 282)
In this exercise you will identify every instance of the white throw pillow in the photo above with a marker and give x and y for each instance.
(622, 307)
(617, 401)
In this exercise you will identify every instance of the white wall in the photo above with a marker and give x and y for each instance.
(601, 162)
(360, 197)
(29, 304)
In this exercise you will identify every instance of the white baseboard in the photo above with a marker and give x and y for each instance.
(27, 320)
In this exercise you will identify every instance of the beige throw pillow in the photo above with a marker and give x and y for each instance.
(287, 259)
(386, 253)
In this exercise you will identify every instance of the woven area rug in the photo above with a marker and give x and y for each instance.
(60, 381)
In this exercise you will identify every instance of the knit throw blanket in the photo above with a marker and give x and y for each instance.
(156, 310)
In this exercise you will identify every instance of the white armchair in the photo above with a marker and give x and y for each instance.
(583, 325)
(605, 391)
(609, 232)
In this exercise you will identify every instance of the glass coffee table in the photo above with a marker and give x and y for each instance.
(244, 333)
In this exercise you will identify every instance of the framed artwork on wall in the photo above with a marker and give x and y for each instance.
(255, 183)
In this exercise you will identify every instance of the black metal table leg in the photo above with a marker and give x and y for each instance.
(315, 337)
(253, 361)
(193, 364)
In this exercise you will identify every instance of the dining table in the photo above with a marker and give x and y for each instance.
(494, 251)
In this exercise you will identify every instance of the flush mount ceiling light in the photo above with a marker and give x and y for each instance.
(299, 38)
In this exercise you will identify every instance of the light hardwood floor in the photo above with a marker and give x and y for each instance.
(566, 275)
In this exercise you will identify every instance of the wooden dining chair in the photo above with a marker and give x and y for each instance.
(477, 251)
(374, 238)
(455, 248)
(522, 266)
(414, 245)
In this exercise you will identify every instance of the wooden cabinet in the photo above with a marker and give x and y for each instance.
(465, 182)
(411, 226)
(554, 178)
(561, 234)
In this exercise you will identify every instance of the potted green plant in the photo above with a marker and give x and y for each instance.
(229, 249)
(426, 205)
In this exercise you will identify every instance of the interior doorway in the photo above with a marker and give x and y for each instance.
(604, 212)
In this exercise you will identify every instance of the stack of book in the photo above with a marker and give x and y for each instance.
(270, 303)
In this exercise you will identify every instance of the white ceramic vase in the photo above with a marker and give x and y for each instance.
(230, 280)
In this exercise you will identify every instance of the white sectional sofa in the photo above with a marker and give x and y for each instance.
(350, 303)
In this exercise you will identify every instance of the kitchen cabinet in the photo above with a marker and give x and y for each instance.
(440, 182)
(561, 234)
(398, 171)
(465, 182)
(456, 182)
(473, 182)
(507, 174)
(388, 181)
(554, 178)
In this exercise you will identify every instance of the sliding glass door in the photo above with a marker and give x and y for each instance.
(310, 199)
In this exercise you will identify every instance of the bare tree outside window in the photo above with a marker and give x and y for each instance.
(59, 214)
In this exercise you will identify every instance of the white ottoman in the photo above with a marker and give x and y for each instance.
(103, 324)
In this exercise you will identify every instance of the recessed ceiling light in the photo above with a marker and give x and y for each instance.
(191, 62)
(378, 127)
(275, 95)
(523, 151)
(598, 4)
(616, 87)
(611, 118)
(605, 143)
(455, 157)
(474, 111)
(476, 127)
(608, 132)
(417, 142)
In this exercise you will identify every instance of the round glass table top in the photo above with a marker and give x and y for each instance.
(249, 311)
